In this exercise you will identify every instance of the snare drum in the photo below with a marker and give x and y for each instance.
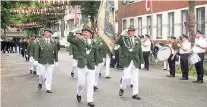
(193, 59)
(161, 51)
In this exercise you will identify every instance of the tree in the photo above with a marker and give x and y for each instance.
(88, 8)
(192, 20)
(9, 18)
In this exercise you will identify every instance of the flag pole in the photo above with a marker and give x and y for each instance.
(151, 19)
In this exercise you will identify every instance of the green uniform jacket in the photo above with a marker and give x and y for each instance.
(45, 53)
(73, 51)
(125, 56)
(101, 51)
(84, 59)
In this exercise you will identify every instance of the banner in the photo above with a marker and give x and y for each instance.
(106, 23)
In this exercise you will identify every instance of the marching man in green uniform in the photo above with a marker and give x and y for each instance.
(102, 49)
(86, 63)
(30, 53)
(74, 52)
(46, 54)
(131, 59)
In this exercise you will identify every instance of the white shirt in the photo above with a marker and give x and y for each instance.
(146, 46)
(132, 39)
(202, 42)
(89, 41)
(187, 46)
(47, 40)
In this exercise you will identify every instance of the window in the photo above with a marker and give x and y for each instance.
(171, 24)
(140, 26)
(124, 2)
(184, 20)
(131, 1)
(159, 26)
(149, 25)
(131, 22)
(201, 19)
(124, 24)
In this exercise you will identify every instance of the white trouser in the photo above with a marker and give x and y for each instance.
(85, 74)
(46, 72)
(130, 72)
(98, 70)
(31, 64)
(74, 64)
(107, 68)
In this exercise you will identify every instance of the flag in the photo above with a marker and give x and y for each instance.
(106, 23)
(148, 5)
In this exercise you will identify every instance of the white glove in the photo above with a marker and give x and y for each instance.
(56, 63)
(124, 32)
(26, 55)
(71, 56)
(116, 47)
(113, 57)
(31, 59)
(142, 66)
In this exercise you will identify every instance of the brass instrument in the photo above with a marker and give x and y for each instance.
(176, 44)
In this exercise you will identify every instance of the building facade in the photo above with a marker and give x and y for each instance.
(62, 28)
(165, 19)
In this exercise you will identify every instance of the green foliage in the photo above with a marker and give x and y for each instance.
(192, 71)
(9, 18)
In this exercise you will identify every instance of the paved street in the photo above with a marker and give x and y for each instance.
(19, 88)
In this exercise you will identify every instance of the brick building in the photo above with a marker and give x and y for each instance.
(167, 19)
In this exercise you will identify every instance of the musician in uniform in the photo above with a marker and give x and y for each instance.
(74, 52)
(86, 63)
(171, 59)
(146, 48)
(30, 53)
(46, 53)
(184, 51)
(130, 58)
(199, 48)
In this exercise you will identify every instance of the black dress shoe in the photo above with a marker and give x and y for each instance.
(49, 91)
(131, 86)
(91, 104)
(200, 81)
(72, 74)
(183, 78)
(195, 81)
(34, 72)
(30, 71)
(39, 86)
(170, 76)
(121, 92)
(136, 97)
(108, 77)
(78, 98)
(95, 88)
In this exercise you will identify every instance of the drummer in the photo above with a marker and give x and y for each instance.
(184, 51)
(146, 48)
(199, 48)
(171, 59)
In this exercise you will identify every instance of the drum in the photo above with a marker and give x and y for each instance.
(193, 59)
(161, 51)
